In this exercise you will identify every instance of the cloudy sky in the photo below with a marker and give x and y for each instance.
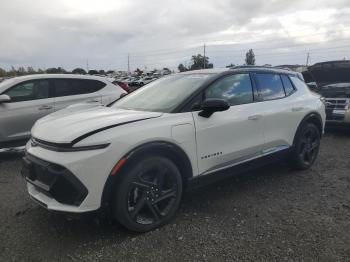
(67, 33)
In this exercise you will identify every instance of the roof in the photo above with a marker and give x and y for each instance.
(245, 68)
(39, 76)
(332, 63)
(5, 84)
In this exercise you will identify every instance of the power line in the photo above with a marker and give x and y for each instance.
(128, 63)
(204, 56)
(307, 58)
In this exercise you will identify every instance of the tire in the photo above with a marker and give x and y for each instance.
(306, 147)
(148, 195)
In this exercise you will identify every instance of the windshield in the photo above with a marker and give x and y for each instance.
(163, 95)
(6, 82)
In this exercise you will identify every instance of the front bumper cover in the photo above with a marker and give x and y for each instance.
(53, 181)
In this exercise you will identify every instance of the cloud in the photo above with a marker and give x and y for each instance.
(163, 33)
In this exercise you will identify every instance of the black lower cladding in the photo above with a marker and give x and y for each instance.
(54, 180)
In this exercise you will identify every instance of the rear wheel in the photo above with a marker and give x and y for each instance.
(148, 195)
(306, 147)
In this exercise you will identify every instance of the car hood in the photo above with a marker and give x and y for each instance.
(332, 72)
(68, 125)
(339, 90)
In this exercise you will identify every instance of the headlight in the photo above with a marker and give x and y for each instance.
(64, 147)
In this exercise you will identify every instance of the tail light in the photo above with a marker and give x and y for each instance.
(123, 85)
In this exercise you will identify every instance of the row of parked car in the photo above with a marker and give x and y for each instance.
(131, 83)
(23, 100)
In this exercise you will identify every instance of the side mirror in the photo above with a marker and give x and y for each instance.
(4, 98)
(212, 105)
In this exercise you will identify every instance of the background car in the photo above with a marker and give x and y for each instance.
(23, 100)
(144, 81)
(122, 84)
(333, 83)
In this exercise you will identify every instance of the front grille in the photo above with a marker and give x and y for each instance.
(54, 181)
(341, 104)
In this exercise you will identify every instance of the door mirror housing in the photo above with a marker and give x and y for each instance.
(212, 105)
(4, 98)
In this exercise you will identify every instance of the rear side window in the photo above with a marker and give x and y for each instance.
(288, 87)
(29, 90)
(270, 86)
(69, 87)
(236, 89)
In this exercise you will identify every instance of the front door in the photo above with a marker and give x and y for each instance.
(233, 136)
(30, 100)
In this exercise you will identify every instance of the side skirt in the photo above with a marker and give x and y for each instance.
(203, 180)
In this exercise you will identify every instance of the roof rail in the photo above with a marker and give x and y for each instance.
(284, 68)
(254, 66)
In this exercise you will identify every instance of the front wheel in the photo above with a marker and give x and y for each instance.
(148, 195)
(306, 147)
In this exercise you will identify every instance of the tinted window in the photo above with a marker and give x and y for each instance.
(69, 87)
(288, 87)
(270, 86)
(29, 90)
(95, 85)
(236, 89)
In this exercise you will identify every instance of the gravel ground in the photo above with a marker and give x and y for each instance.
(271, 214)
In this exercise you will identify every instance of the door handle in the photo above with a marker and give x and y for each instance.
(254, 117)
(297, 109)
(46, 107)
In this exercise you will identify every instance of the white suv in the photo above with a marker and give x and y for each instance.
(23, 100)
(137, 155)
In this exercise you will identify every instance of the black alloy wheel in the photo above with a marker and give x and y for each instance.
(306, 147)
(309, 145)
(149, 195)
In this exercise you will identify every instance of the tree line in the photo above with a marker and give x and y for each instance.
(197, 62)
(21, 71)
(201, 62)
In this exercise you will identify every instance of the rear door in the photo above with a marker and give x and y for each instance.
(30, 100)
(279, 108)
(69, 91)
(233, 136)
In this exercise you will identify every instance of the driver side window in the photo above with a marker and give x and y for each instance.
(236, 89)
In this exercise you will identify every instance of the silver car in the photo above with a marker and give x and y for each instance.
(23, 100)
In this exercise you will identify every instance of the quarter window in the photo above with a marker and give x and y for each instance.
(288, 87)
(236, 89)
(29, 90)
(270, 86)
(297, 82)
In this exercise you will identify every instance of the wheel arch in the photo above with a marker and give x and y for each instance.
(162, 148)
(314, 118)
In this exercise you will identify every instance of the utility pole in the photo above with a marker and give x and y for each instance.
(128, 63)
(87, 65)
(204, 56)
(307, 58)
